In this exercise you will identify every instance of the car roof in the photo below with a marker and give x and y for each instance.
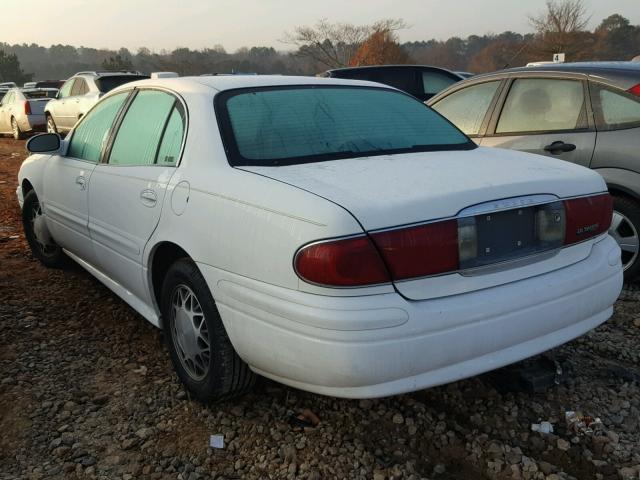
(591, 67)
(623, 75)
(230, 82)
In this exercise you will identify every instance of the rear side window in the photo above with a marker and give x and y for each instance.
(615, 109)
(434, 82)
(288, 125)
(171, 143)
(467, 108)
(91, 133)
(543, 104)
(79, 87)
(138, 137)
(108, 83)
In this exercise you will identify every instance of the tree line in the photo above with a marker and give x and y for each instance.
(560, 28)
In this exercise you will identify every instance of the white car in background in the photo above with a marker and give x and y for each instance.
(337, 236)
(22, 110)
(79, 93)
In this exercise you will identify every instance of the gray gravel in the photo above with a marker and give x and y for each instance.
(87, 391)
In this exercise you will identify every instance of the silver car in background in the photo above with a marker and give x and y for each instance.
(22, 110)
(80, 93)
(586, 113)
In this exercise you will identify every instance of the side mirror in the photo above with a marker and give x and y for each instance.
(45, 142)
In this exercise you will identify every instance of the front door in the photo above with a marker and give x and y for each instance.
(67, 179)
(60, 107)
(547, 116)
(127, 191)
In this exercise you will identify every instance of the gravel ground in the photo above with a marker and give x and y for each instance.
(87, 391)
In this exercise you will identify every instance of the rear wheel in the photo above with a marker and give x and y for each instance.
(200, 349)
(15, 128)
(625, 228)
(43, 247)
(51, 125)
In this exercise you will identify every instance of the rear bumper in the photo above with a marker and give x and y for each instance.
(379, 345)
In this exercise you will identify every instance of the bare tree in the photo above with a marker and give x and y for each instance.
(334, 44)
(561, 28)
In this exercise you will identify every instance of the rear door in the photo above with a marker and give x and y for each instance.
(67, 179)
(5, 112)
(545, 115)
(128, 189)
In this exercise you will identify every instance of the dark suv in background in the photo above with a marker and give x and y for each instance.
(586, 113)
(421, 81)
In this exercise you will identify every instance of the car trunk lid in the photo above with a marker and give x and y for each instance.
(391, 191)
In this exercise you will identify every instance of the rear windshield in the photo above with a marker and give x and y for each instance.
(40, 94)
(300, 124)
(106, 84)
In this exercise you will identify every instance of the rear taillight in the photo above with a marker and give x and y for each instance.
(451, 245)
(27, 108)
(635, 90)
(420, 251)
(349, 262)
(587, 217)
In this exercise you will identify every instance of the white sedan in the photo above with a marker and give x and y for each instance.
(333, 235)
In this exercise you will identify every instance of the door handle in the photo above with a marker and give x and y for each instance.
(82, 182)
(148, 198)
(560, 147)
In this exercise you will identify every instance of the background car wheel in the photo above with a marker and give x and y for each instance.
(200, 349)
(15, 128)
(625, 226)
(51, 125)
(43, 247)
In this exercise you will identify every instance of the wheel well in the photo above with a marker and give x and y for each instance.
(164, 255)
(622, 192)
(26, 187)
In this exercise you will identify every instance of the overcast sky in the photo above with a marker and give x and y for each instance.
(167, 24)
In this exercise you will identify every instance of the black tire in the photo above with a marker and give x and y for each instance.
(51, 125)
(226, 374)
(630, 210)
(50, 255)
(15, 128)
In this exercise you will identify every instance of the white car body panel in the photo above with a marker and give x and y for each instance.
(242, 227)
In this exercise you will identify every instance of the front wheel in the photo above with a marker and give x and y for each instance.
(200, 349)
(51, 125)
(43, 247)
(15, 128)
(625, 226)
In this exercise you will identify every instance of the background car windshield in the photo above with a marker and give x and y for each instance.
(108, 83)
(298, 125)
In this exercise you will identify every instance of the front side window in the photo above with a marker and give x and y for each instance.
(65, 91)
(289, 125)
(92, 132)
(467, 108)
(615, 109)
(434, 82)
(138, 137)
(543, 104)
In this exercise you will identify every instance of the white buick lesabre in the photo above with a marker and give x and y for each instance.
(333, 235)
